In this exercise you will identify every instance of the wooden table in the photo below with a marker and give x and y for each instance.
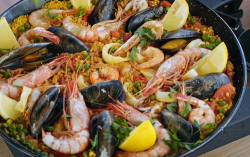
(234, 149)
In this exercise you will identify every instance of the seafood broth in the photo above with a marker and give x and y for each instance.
(97, 76)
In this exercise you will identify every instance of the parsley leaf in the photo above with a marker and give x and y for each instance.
(152, 121)
(172, 107)
(186, 110)
(132, 55)
(67, 116)
(93, 143)
(172, 91)
(122, 129)
(4, 50)
(106, 135)
(145, 34)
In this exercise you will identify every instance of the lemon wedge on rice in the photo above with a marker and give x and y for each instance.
(8, 39)
(176, 16)
(7, 107)
(77, 3)
(24, 98)
(190, 75)
(215, 61)
(140, 139)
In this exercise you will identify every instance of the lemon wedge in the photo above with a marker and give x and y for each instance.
(140, 139)
(215, 61)
(176, 16)
(77, 3)
(8, 39)
(24, 98)
(7, 107)
(194, 43)
(189, 75)
(148, 73)
(163, 96)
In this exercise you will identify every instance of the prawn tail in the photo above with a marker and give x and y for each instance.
(71, 11)
(51, 37)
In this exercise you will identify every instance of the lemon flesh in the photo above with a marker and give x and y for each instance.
(77, 3)
(176, 16)
(164, 96)
(7, 107)
(215, 61)
(140, 139)
(24, 98)
(8, 39)
(190, 75)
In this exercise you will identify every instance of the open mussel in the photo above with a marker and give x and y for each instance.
(68, 42)
(205, 86)
(184, 129)
(30, 64)
(135, 21)
(98, 95)
(42, 110)
(104, 10)
(173, 41)
(106, 139)
(21, 52)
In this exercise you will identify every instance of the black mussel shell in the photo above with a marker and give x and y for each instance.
(68, 42)
(104, 10)
(205, 86)
(105, 145)
(31, 65)
(135, 21)
(42, 110)
(184, 129)
(98, 95)
(94, 126)
(179, 34)
(21, 52)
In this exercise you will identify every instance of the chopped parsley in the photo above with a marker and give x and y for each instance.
(145, 34)
(172, 107)
(122, 129)
(93, 143)
(132, 55)
(172, 91)
(106, 135)
(156, 14)
(186, 110)
(175, 143)
(152, 121)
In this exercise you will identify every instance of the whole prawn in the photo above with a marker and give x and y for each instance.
(173, 68)
(135, 117)
(25, 38)
(41, 74)
(41, 17)
(157, 30)
(153, 56)
(203, 113)
(75, 140)
(84, 33)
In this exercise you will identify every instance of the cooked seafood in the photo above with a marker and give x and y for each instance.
(103, 79)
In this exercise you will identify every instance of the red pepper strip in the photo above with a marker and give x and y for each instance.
(85, 18)
(115, 34)
(165, 4)
(71, 66)
(62, 80)
(138, 77)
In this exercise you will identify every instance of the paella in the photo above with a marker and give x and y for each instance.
(112, 78)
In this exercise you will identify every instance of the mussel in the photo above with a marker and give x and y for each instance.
(205, 86)
(104, 10)
(98, 95)
(42, 110)
(30, 65)
(184, 129)
(106, 139)
(19, 53)
(94, 126)
(173, 41)
(135, 21)
(68, 42)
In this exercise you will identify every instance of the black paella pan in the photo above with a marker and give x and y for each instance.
(209, 18)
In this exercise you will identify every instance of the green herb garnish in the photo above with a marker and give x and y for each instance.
(93, 143)
(132, 55)
(172, 91)
(106, 135)
(172, 107)
(186, 110)
(145, 34)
